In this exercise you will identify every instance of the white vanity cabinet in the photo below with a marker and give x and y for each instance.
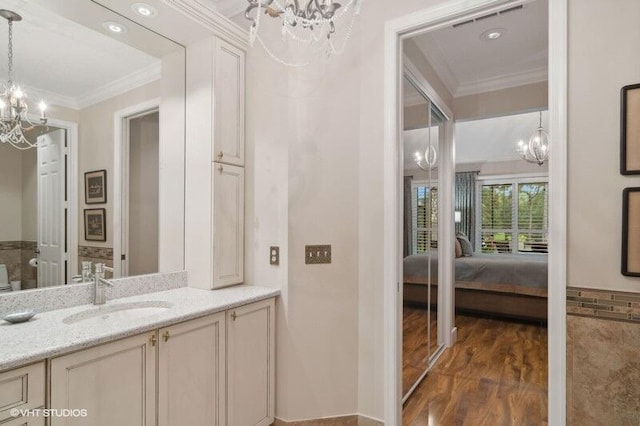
(114, 382)
(191, 372)
(215, 370)
(251, 364)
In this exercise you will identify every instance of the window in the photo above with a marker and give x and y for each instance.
(514, 216)
(424, 213)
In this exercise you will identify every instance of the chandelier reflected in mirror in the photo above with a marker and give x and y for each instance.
(537, 150)
(14, 109)
(308, 28)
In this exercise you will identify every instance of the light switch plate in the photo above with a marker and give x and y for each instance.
(274, 255)
(318, 254)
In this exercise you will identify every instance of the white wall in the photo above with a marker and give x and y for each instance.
(601, 37)
(314, 163)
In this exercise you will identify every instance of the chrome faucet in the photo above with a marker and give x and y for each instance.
(100, 297)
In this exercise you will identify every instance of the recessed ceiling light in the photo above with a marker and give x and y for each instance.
(144, 10)
(492, 34)
(115, 27)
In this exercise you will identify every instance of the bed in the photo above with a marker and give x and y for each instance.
(509, 285)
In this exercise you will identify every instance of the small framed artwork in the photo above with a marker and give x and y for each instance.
(631, 232)
(630, 130)
(95, 187)
(95, 225)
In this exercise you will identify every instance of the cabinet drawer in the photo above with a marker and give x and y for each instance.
(22, 388)
(26, 421)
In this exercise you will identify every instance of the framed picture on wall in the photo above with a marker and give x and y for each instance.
(631, 232)
(95, 187)
(95, 225)
(630, 130)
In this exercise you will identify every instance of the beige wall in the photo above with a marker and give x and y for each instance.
(600, 63)
(10, 193)
(95, 151)
(530, 97)
(30, 195)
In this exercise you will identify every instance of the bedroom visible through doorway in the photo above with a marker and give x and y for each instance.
(491, 71)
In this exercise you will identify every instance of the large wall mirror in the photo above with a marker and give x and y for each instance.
(103, 179)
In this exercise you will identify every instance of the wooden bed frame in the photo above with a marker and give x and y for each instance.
(486, 299)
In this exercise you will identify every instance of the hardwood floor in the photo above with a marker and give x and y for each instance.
(416, 349)
(495, 375)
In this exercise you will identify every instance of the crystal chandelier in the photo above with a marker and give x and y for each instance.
(307, 31)
(14, 111)
(537, 150)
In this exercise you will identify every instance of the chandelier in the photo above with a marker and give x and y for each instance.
(14, 111)
(537, 150)
(428, 160)
(307, 30)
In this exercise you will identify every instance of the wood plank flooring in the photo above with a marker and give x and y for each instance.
(495, 375)
(416, 349)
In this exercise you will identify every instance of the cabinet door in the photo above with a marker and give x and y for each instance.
(228, 92)
(191, 373)
(228, 225)
(114, 382)
(251, 364)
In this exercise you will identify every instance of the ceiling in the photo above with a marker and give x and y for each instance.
(228, 8)
(467, 64)
(67, 63)
(479, 141)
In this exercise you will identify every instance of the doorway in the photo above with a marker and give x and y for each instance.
(430, 20)
(137, 192)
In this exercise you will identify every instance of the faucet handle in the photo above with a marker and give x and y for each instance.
(101, 267)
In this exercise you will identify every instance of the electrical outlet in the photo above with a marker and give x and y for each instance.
(274, 255)
(314, 255)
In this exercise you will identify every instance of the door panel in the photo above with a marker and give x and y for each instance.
(51, 206)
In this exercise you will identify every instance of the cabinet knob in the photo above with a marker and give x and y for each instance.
(220, 155)
(153, 339)
(220, 168)
(233, 315)
(166, 336)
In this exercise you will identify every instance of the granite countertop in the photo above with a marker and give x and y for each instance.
(46, 335)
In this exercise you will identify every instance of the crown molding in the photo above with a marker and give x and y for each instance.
(500, 82)
(122, 85)
(51, 98)
(206, 15)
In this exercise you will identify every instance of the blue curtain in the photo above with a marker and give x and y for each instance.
(465, 201)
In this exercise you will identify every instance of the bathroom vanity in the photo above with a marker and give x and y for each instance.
(174, 357)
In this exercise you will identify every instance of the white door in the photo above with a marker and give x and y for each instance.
(51, 205)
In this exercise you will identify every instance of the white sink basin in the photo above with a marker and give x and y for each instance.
(119, 311)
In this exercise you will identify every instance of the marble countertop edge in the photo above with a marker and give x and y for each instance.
(47, 336)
